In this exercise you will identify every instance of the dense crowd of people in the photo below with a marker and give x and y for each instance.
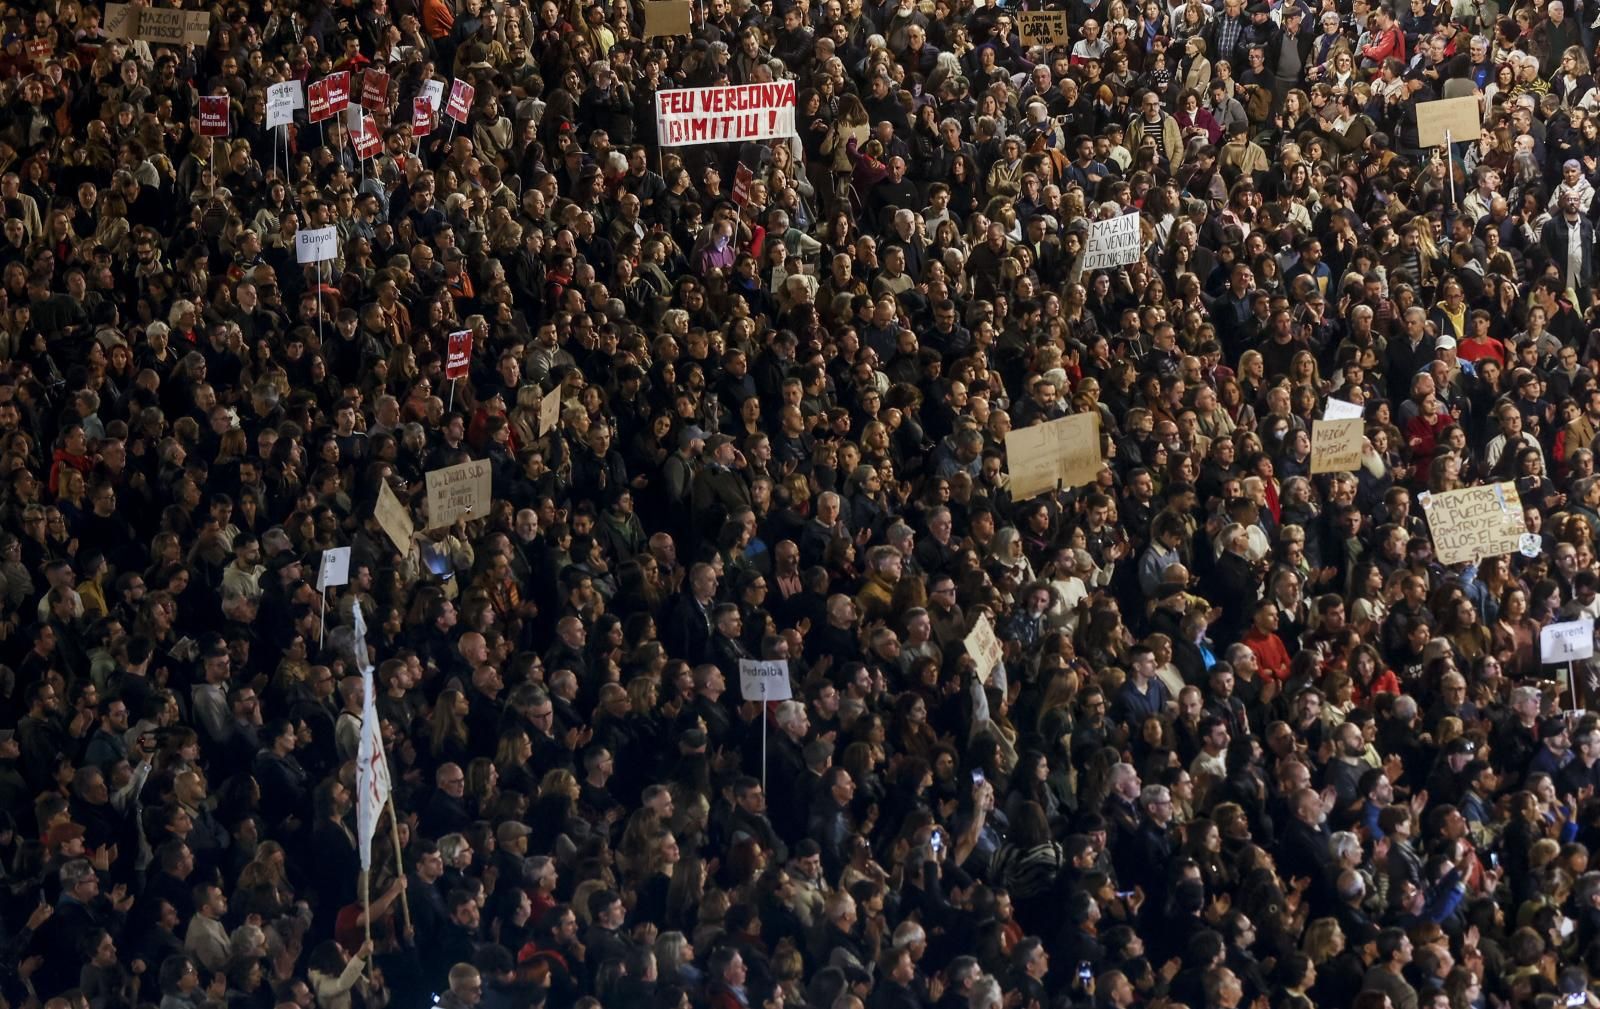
(1250, 741)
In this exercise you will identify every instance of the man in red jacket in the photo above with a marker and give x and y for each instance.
(1388, 41)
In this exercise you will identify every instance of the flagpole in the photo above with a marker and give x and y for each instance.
(399, 861)
(366, 902)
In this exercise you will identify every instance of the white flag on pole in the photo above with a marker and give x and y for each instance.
(372, 769)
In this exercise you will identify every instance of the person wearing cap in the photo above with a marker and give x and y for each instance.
(1289, 51)
(719, 490)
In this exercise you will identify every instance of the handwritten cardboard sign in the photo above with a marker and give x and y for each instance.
(549, 411)
(1112, 243)
(1474, 522)
(1336, 445)
(663, 18)
(395, 519)
(162, 25)
(1459, 117)
(458, 492)
(282, 99)
(984, 647)
(1064, 452)
(1041, 28)
(765, 681)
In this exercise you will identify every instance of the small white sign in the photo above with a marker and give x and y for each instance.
(1340, 409)
(335, 570)
(1566, 642)
(1113, 242)
(764, 681)
(433, 91)
(282, 99)
(316, 245)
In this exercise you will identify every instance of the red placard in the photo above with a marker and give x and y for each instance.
(367, 142)
(40, 50)
(458, 354)
(214, 115)
(421, 117)
(460, 104)
(338, 90)
(374, 88)
(742, 177)
(317, 107)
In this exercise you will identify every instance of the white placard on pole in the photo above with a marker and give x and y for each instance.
(282, 99)
(1566, 642)
(765, 681)
(335, 568)
(316, 245)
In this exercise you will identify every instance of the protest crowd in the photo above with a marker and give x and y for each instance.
(746, 504)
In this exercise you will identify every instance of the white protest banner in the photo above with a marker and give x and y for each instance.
(459, 107)
(984, 647)
(1474, 522)
(1566, 642)
(335, 568)
(282, 99)
(1112, 243)
(765, 681)
(733, 114)
(458, 492)
(549, 410)
(1341, 409)
(316, 245)
(353, 115)
(1336, 445)
(1063, 452)
(395, 519)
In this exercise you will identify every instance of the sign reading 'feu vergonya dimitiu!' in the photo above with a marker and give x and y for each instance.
(732, 114)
